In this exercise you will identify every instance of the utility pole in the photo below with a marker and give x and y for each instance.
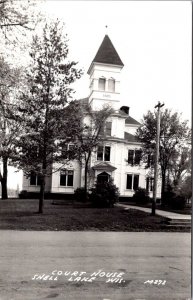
(158, 106)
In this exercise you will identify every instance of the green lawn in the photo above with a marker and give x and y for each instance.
(21, 214)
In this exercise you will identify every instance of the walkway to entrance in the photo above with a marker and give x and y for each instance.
(166, 214)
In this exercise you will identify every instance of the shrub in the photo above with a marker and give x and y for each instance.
(141, 196)
(174, 199)
(176, 202)
(104, 194)
(23, 194)
(80, 195)
(167, 196)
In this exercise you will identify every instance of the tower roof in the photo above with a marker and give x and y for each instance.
(107, 54)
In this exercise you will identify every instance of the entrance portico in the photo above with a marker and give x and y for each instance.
(103, 171)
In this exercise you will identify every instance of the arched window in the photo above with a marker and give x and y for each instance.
(102, 82)
(111, 85)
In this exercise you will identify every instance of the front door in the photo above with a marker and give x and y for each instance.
(103, 177)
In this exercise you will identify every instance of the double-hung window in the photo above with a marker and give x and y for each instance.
(34, 179)
(66, 177)
(132, 182)
(134, 157)
(137, 158)
(66, 151)
(108, 127)
(103, 153)
(131, 157)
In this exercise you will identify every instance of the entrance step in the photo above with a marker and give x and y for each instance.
(176, 223)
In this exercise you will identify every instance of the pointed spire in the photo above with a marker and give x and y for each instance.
(107, 54)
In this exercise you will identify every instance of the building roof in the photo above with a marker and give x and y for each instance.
(104, 166)
(121, 113)
(107, 54)
(130, 137)
(130, 120)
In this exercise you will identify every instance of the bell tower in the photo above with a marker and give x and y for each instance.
(104, 73)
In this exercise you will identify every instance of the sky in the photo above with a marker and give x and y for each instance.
(152, 38)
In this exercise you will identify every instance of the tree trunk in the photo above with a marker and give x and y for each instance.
(41, 199)
(163, 184)
(85, 179)
(86, 176)
(4, 179)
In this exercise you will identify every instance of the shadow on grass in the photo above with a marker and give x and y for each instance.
(23, 215)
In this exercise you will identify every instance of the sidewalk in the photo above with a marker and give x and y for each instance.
(166, 214)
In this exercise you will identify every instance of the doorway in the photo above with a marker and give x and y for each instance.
(103, 177)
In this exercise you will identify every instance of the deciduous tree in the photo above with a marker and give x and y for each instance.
(180, 166)
(10, 79)
(16, 14)
(50, 121)
(184, 187)
(174, 133)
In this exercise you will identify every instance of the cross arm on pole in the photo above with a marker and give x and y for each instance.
(159, 105)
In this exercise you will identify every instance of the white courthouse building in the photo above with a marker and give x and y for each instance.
(119, 157)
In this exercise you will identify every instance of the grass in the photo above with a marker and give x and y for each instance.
(21, 214)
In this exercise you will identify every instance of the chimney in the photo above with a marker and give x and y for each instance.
(125, 109)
